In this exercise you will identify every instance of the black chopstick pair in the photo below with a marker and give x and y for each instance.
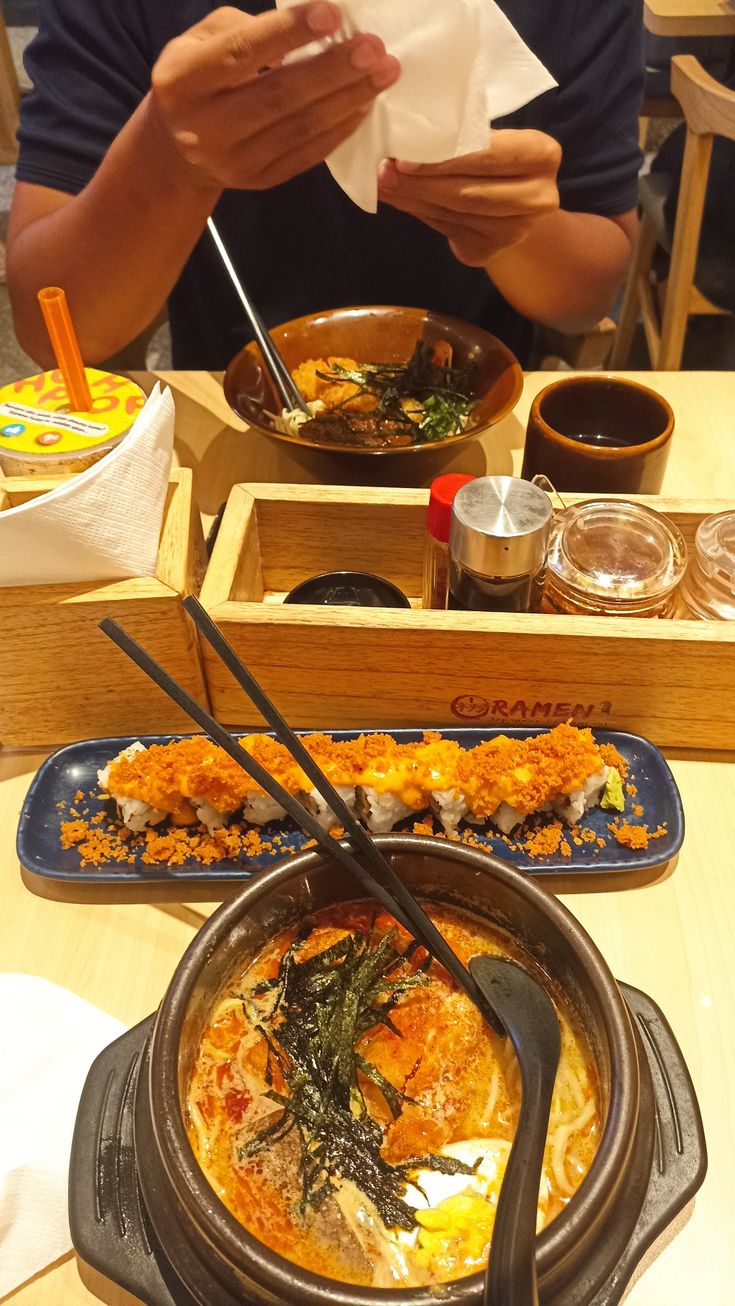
(384, 885)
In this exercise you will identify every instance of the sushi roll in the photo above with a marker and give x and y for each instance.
(506, 780)
(501, 781)
(438, 760)
(338, 760)
(191, 780)
(134, 812)
(389, 785)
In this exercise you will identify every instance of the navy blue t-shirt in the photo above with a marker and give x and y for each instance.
(304, 246)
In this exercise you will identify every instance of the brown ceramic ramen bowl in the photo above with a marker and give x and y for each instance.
(216, 1258)
(385, 334)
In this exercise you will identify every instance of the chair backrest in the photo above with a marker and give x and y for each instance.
(707, 105)
(9, 98)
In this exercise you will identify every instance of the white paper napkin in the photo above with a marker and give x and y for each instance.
(104, 523)
(49, 1039)
(462, 65)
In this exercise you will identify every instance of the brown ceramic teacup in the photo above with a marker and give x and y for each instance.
(599, 433)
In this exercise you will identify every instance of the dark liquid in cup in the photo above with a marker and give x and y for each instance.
(603, 440)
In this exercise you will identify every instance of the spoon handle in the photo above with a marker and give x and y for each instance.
(530, 1020)
(511, 1278)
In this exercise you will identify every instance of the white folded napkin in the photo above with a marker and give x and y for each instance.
(462, 65)
(102, 524)
(49, 1039)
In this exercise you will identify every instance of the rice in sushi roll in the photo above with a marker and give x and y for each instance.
(389, 786)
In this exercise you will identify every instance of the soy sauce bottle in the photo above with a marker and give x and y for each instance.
(498, 539)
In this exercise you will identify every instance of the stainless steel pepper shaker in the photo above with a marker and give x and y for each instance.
(498, 539)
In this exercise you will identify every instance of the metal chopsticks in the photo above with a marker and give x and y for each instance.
(288, 391)
(385, 885)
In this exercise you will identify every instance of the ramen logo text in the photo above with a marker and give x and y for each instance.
(473, 707)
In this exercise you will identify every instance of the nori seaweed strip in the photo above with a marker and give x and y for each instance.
(322, 1006)
(394, 1098)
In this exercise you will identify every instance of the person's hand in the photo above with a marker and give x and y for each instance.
(240, 118)
(484, 203)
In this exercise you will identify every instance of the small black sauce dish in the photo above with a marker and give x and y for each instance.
(352, 589)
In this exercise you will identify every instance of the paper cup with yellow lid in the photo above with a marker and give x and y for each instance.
(41, 435)
(64, 420)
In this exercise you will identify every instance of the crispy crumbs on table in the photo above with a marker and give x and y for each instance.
(631, 790)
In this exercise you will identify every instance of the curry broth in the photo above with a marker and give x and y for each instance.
(460, 1080)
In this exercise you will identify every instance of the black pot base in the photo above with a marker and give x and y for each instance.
(110, 1197)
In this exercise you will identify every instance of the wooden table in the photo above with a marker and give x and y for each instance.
(689, 17)
(675, 938)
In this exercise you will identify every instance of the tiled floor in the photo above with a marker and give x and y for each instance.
(710, 340)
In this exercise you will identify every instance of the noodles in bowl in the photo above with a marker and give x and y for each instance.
(353, 1111)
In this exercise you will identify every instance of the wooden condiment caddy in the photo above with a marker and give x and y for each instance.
(672, 681)
(61, 679)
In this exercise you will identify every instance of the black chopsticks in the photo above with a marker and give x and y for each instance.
(288, 391)
(385, 885)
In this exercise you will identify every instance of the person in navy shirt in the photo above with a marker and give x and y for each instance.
(147, 116)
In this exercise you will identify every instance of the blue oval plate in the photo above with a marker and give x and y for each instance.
(74, 768)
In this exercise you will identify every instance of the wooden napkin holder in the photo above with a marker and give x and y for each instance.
(672, 681)
(61, 679)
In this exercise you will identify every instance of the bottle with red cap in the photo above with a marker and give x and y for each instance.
(436, 551)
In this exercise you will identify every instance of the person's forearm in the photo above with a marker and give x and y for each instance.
(567, 272)
(117, 248)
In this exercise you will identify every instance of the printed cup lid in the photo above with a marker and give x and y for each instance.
(35, 418)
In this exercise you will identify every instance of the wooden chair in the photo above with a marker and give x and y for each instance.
(709, 111)
(9, 99)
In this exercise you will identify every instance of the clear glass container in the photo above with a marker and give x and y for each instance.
(613, 558)
(708, 589)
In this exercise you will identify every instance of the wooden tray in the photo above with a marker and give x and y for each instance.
(672, 681)
(61, 678)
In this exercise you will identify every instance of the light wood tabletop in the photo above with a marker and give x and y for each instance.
(689, 17)
(674, 938)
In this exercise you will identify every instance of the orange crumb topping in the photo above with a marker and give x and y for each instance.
(611, 757)
(196, 768)
(635, 836)
(545, 841)
(530, 773)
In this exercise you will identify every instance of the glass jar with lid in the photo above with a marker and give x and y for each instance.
(708, 589)
(613, 558)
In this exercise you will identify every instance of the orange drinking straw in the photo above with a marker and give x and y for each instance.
(65, 345)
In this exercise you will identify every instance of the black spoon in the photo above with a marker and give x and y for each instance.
(532, 1024)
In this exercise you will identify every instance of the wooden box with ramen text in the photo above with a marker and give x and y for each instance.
(61, 679)
(329, 667)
